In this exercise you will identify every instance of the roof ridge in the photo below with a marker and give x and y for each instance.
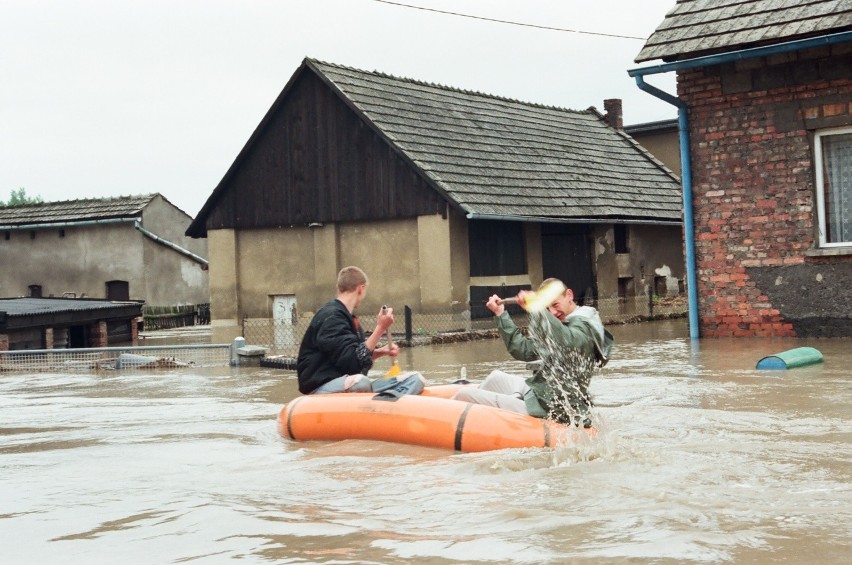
(104, 199)
(440, 86)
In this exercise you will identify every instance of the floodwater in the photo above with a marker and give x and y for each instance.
(700, 459)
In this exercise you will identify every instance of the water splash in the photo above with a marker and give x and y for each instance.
(567, 372)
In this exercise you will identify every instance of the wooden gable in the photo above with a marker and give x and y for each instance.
(314, 159)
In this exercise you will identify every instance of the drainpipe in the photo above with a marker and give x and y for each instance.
(85, 223)
(169, 244)
(71, 224)
(686, 183)
(683, 126)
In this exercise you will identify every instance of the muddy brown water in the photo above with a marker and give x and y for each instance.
(701, 459)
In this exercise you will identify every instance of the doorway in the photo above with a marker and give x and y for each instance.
(567, 255)
(285, 318)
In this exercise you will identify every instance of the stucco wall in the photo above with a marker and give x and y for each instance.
(388, 251)
(171, 277)
(81, 262)
(664, 146)
(654, 251)
(304, 261)
(170, 222)
(657, 251)
(420, 262)
(459, 263)
(224, 285)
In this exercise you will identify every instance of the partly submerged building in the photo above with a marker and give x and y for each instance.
(65, 323)
(443, 196)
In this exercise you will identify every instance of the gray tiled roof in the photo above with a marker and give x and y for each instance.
(496, 156)
(75, 210)
(699, 27)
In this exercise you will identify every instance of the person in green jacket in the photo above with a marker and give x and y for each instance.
(567, 340)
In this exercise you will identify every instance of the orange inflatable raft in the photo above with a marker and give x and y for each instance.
(430, 419)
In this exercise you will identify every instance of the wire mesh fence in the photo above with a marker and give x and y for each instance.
(116, 358)
(282, 337)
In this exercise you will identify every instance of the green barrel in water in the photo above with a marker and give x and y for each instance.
(790, 359)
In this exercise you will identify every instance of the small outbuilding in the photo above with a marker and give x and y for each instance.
(67, 323)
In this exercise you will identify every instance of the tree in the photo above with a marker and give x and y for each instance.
(19, 198)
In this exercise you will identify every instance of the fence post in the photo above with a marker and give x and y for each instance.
(408, 324)
(650, 302)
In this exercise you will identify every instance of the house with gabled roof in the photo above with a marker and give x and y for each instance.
(121, 248)
(764, 96)
(442, 195)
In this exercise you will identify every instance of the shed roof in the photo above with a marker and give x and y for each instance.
(495, 156)
(16, 313)
(660, 126)
(694, 28)
(75, 210)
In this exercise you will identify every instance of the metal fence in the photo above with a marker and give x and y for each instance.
(117, 358)
(282, 337)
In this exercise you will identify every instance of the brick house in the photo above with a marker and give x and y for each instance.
(442, 195)
(765, 108)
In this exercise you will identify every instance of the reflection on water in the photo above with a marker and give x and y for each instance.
(701, 458)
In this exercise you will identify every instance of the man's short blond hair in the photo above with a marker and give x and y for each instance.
(546, 282)
(350, 278)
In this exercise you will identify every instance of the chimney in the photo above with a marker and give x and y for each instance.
(612, 106)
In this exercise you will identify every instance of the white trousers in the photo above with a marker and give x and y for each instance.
(500, 390)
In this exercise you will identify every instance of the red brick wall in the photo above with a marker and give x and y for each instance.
(751, 132)
(134, 330)
(98, 336)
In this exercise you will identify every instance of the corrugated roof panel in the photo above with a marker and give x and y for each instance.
(28, 306)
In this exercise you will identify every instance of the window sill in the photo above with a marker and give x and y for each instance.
(829, 252)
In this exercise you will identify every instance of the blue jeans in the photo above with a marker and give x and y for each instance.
(357, 383)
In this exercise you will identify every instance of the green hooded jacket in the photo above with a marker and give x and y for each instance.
(559, 388)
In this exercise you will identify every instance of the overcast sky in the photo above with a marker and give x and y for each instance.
(117, 97)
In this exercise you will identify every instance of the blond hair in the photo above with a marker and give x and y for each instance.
(546, 282)
(350, 278)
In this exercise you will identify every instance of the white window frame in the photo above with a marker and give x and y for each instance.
(820, 190)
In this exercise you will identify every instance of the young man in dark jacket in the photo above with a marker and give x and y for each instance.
(334, 356)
